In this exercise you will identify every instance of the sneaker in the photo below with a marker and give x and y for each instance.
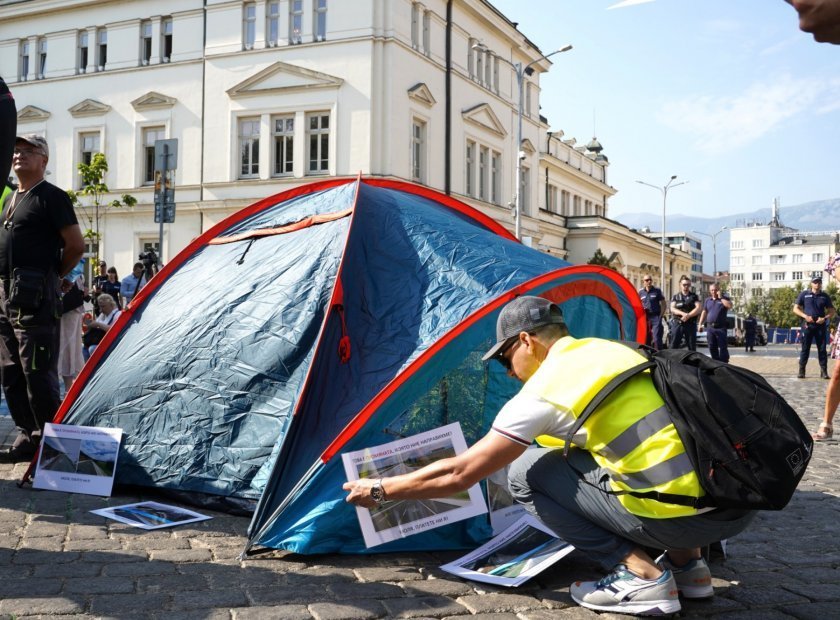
(623, 592)
(694, 580)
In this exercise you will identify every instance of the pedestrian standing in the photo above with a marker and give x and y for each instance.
(685, 309)
(815, 308)
(132, 283)
(713, 317)
(750, 328)
(40, 243)
(654, 303)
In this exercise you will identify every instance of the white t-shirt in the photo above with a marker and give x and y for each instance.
(527, 416)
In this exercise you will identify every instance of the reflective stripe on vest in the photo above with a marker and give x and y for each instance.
(630, 435)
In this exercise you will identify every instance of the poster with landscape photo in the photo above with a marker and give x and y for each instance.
(77, 459)
(397, 519)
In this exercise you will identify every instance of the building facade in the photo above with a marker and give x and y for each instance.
(264, 95)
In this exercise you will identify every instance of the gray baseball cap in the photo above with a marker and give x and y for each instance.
(37, 141)
(523, 314)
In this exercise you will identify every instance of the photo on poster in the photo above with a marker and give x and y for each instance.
(510, 559)
(77, 459)
(150, 515)
(504, 511)
(400, 518)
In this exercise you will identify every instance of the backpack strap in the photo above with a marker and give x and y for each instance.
(606, 391)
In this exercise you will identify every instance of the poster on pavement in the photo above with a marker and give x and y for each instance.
(150, 515)
(77, 459)
(510, 559)
(398, 519)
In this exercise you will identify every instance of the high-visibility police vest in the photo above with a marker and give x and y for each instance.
(630, 434)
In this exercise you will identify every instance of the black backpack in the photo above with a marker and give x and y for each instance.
(748, 447)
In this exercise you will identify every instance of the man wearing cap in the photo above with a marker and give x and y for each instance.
(654, 303)
(713, 317)
(628, 443)
(40, 243)
(815, 309)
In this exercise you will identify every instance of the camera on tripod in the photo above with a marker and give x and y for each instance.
(149, 258)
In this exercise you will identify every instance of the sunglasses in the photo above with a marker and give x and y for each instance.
(501, 356)
(647, 280)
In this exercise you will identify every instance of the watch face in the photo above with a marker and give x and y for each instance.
(377, 494)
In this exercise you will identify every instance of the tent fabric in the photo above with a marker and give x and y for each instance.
(339, 315)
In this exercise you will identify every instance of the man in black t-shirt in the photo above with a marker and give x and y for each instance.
(40, 243)
(685, 308)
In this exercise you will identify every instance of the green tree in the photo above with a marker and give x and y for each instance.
(780, 307)
(93, 193)
(599, 258)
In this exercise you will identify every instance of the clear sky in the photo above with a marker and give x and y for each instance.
(727, 94)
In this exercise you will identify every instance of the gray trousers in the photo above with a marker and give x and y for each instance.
(594, 521)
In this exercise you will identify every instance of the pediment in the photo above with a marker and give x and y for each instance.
(153, 101)
(483, 116)
(528, 146)
(616, 260)
(420, 92)
(89, 107)
(281, 77)
(31, 114)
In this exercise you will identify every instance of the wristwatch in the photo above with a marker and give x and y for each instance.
(377, 493)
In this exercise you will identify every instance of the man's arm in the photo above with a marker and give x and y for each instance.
(697, 308)
(661, 304)
(798, 311)
(444, 477)
(74, 248)
(727, 303)
(702, 320)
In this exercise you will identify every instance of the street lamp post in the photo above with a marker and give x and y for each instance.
(519, 69)
(664, 189)
(714, 248)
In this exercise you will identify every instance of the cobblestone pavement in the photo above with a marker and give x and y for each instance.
(58, 561)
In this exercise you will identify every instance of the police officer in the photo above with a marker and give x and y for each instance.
(815, 309)
(685, 308)
(715, 309)
(654, 302)
(750, 328)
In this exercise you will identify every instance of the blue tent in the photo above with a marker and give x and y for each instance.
(332, 317)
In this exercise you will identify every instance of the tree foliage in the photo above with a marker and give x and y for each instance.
(599, 258)
(90, 200)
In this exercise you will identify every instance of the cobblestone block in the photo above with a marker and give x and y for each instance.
(84, 532)
(320, 574)
(814, 611)
(194, 614)
(48, 606)
(436, 587)
(45, 529)
(344, 590)
(502, 616)
(755, 597)
(286, 595)
(155, 544)
(207, 599)
(220, 554)
(401, 573)
(102, 585)
(180, 555)
(495, 603)
(35, 556)
(286, 612)
(757, 614)
(139, 569)
(555, 598)
(115, 556)
(93, 544)
(572, 613)
(48, 543)
(172, 582)
(358, 610)
(21, 588)
(710, 606)
(119, 605)
(60, 571)
(817, 574)
(818, 592)
(422, 607)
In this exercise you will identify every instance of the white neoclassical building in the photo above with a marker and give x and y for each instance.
(264, 95)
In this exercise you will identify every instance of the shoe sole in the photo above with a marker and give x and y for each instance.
(648, 608)
(696, 592)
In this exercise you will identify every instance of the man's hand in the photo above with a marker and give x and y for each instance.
(65, 285)
(821, 18)
(360, 492)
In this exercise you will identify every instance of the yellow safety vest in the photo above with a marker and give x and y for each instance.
(630, 434)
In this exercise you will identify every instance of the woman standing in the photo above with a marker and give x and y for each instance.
(111, 286)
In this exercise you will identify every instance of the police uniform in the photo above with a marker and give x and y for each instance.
(653, 312)
(816, 306)
(716, 314)
(750, 327)
(684, 302)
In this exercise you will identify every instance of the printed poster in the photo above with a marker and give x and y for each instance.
(504, 511)
(401, 518)
(150, 515)
(77, 459)
(523, 550)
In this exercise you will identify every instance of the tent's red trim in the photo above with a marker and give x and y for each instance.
(562, 292)
(306, 222)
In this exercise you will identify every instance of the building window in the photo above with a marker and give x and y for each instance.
(418, 151)
(736, 245)
(469, 169)
(525, 191)
(42, 58)
(295, 21)
(778, 276)
(273, 24)
(817, 257)
(496, 64)
(249, 25)
(496, 178)
(758, 243)
(318, 125)
(416, 9)
(145, 42)
(483, 169)
(284, 145)
(587, 207)
(427, 33)
(796, 275)
(320, 20)
(564, 202)
(82, 52)
(736, 277)
(89, 145)
(488, 70)
(577, 206)
(150, 136)
(23, 72)
(777, 259)
(166, 39)
(101, 49)
(737, 260)
(479, 65)
(551, 199)
(756, 260)
(797, 258)
(528, 99)
(249, 148)
(757, 277)
(471, 53)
